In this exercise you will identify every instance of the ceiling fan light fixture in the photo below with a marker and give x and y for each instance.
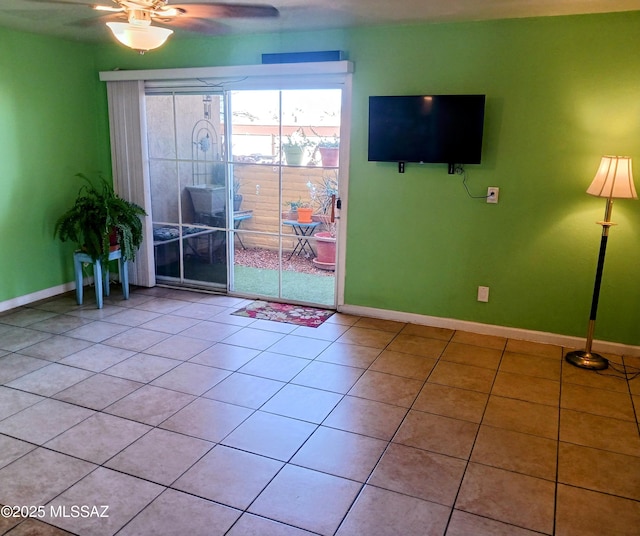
(139, 37)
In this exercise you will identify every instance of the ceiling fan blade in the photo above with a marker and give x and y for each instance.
(88, 3)
(95, 21)
(111, 9)
(193, 24)
(62, 2)
(216, 10)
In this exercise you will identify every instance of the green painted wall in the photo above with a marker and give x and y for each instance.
(561, 92)
(48, 132)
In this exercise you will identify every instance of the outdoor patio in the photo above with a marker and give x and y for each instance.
(256, 272)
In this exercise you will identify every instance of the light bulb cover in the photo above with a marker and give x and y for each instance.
(139, 37)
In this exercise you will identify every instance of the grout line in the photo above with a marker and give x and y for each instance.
(468, 461)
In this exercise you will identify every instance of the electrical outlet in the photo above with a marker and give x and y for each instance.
(492, 194)
(483, 294)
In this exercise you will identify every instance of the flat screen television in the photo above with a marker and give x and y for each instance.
(443, 129)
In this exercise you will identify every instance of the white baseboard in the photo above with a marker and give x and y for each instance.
(44, 294)
(490, 329)
(36, 296)
(411, 318)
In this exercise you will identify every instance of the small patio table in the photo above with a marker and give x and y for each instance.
(302, 230)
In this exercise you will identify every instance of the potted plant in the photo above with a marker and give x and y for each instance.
(292, 213)
(323, 196)
(329, 149)
(305, 212)
(295, 146)
(100, 220)
(326, 250)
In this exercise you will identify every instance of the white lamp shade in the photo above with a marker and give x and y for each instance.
(614, 179)
(139, 37)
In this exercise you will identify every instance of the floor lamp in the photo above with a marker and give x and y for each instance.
(614, 180)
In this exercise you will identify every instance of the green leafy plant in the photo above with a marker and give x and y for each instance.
(297, 139)
(293, 205)
(97, 213)
(329, 143)
(323, 193)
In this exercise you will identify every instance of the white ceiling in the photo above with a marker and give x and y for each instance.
(76, 20)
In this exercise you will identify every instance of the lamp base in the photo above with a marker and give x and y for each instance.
(587, 360)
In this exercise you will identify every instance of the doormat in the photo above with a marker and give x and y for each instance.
(310, 317)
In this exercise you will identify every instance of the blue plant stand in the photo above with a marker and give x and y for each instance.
(100, 276)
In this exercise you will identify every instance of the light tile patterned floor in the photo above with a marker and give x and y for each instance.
(185, 419)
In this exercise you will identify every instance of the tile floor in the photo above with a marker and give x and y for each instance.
(184, 419)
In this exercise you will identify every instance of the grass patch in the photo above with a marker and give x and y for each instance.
(295, 286)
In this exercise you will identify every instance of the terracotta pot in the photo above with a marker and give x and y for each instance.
(322, 218)
(291, 215)
(113, 241)
(326, 247)
(329, 156)
(304, 214)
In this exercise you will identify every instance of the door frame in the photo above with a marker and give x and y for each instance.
(132, 181)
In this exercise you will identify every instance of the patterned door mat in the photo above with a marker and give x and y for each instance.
(310, 317)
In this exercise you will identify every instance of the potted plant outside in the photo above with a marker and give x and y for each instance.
(323, 195)
(305, 212)
(326, 250)
(329, 149)
(295, 147)
(292, 213)
(98, 219)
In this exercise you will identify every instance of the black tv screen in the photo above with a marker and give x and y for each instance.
(443, 129)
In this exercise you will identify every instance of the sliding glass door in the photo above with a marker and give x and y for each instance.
(288, 184)
(243, 191)
(189, 191)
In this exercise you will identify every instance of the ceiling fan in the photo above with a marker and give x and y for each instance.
(138, 32)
